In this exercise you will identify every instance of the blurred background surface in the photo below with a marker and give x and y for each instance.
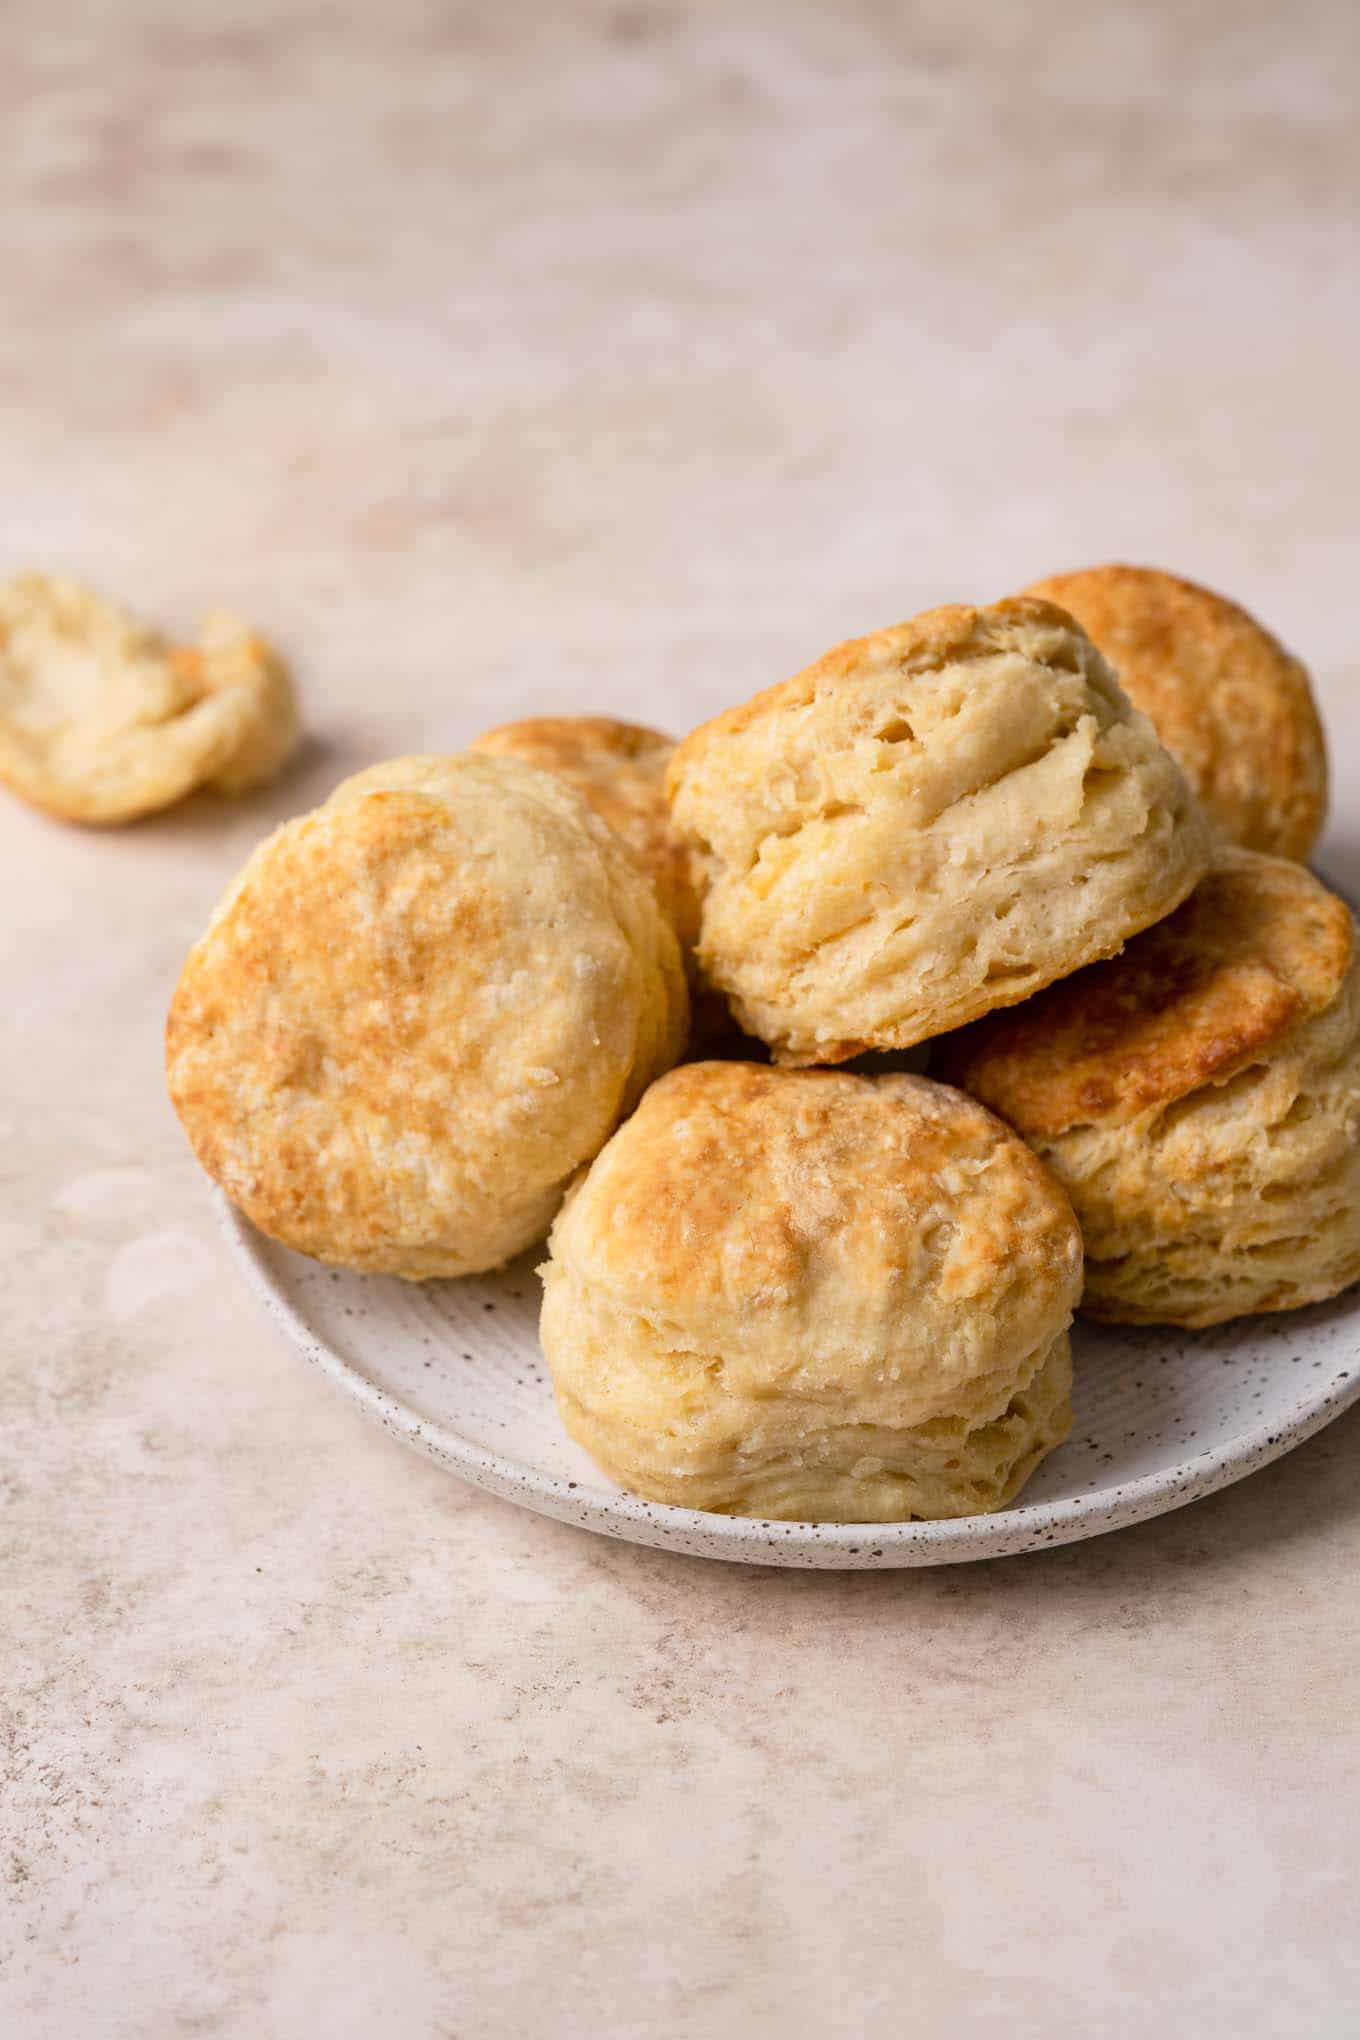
(535, 352)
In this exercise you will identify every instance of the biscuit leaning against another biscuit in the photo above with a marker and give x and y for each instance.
(102, 720)
(620, 768)
(926, 824)
(418, 1011)
(811, 1295)
(1232, 706)
(1199, 1097)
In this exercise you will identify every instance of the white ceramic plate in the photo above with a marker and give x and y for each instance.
(1162, 1416)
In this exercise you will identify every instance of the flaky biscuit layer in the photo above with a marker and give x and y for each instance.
(1232, 706)
(1199, 1098)
(816, 1295)
(927, 824)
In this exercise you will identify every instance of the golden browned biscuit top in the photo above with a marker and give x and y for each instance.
(620, 769)
(1228, 701)
(937, 637)
(419, 1010)
(1257, 949)
(737, 1187)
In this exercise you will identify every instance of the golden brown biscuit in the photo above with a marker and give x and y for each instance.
(807, 1294)
(418, 1011)
(1234, 709)
(101, 720)
(1199, 1097)
(928, 823)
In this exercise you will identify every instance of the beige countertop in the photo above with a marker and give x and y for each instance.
(623, 357)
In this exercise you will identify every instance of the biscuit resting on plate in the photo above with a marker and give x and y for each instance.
(102, 720)
(1232, 706)
(812, 1295)
(418, 1011)
(928, 823)
(1199, 1097)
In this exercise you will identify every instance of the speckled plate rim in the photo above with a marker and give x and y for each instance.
(1034, 1526)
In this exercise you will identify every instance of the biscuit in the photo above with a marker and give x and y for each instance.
(102, 720)
(620, 768)
(928, 823)
(1199, 1097)
(1234, 709)
(813, 1295)
(418, 1011)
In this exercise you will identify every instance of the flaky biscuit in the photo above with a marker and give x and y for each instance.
(806, 1294)
(1232, 706)
(102, 720)
(418, 1011)
(926, 824)
(1199, 1097)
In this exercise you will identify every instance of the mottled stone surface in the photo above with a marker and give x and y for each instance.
(623, 357)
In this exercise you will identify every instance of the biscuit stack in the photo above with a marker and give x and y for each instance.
(439, 1012)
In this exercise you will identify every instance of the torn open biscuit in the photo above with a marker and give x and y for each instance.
(103, 720)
